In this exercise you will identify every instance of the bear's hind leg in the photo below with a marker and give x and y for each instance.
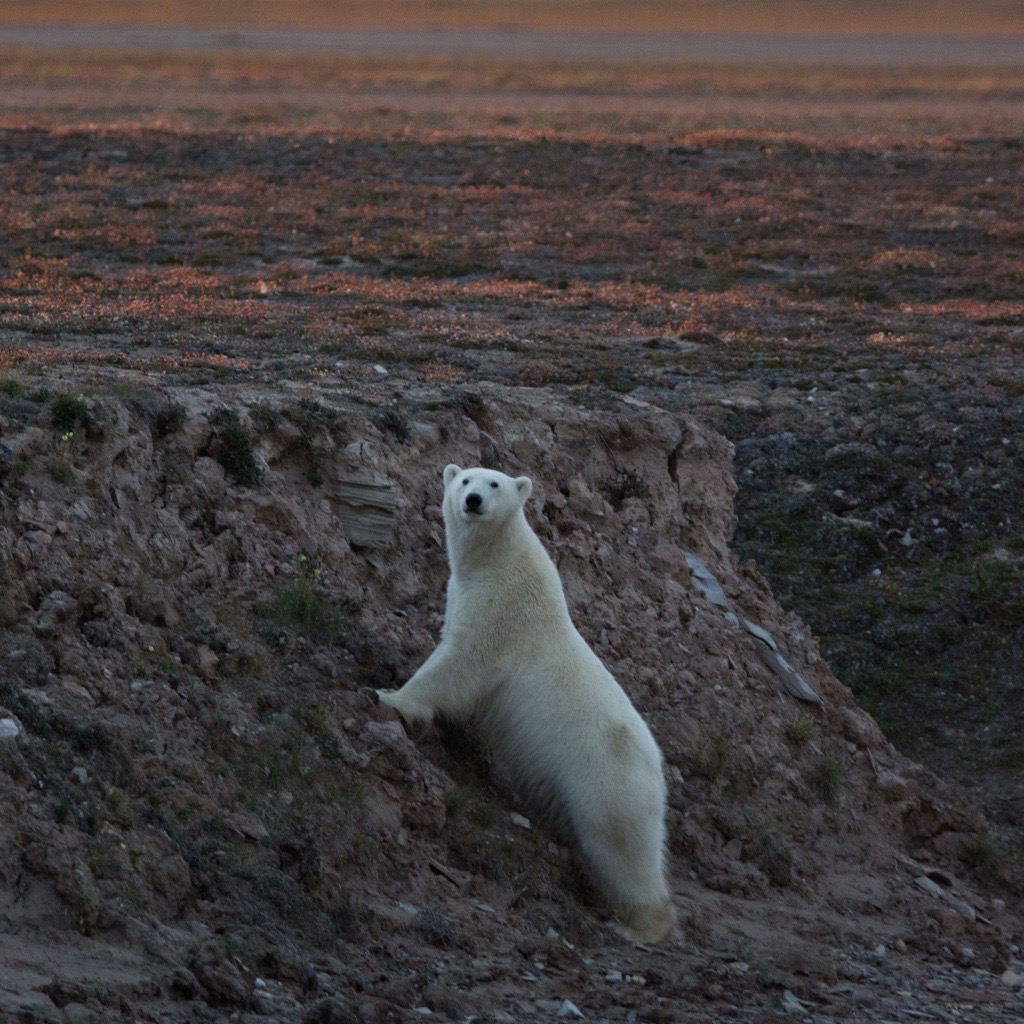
(625, 854)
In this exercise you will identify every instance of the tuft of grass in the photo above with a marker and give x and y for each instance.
(169, 418)
(299, 606)
(234, 448)
(391, 421)
(801, 729)
(60, 472)
(66, 411)
(10, 387)
(828, 777)
(456, 804)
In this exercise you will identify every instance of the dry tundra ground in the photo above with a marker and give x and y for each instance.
(878, 16)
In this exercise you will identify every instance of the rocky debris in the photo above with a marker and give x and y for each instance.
(792, 682)
(202, 784)
(705, 581)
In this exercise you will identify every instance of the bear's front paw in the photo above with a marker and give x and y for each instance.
(411, 712)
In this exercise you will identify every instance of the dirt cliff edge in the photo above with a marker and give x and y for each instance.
(208, 814)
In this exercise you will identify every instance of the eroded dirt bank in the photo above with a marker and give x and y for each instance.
(208, 814)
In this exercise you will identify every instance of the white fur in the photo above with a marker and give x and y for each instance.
(513, 666)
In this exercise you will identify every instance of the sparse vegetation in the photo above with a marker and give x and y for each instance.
(67, 411)
(801, 729)
(60, 472)
(626, 484)
(298, 605)
(828, 778)
(393, 422)
(233, 448)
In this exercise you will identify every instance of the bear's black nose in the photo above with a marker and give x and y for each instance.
(473, 502)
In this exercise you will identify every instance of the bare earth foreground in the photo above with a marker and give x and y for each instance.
(754, 330)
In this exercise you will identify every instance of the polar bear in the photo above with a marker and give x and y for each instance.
(513, 667)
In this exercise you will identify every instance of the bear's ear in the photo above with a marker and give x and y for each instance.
(451, 471)
(524, 485)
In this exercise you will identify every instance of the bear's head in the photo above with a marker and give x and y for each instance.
(476, 496)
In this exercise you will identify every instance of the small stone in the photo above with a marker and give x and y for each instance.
(203, 660)
(863, 997)
(409, 909)
(569, 1009)
(380, 369)
(80, 774)
(613, 977)
(520, 820)
(9, 728)
(791, 1004)
(262, 1004)
(899, 945)
(1012, 979)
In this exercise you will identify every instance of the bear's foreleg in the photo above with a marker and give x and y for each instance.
(435, 689)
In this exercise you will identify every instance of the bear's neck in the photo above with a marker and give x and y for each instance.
(483, 550)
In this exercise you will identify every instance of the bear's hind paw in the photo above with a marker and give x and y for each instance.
(649, 926)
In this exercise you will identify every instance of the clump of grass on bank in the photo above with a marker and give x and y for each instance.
(66, 411)
(298, 605)
(233, 449)
(801, 729)
(828, 777)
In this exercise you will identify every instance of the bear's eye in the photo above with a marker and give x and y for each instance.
(494, 483)
(466, 481)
